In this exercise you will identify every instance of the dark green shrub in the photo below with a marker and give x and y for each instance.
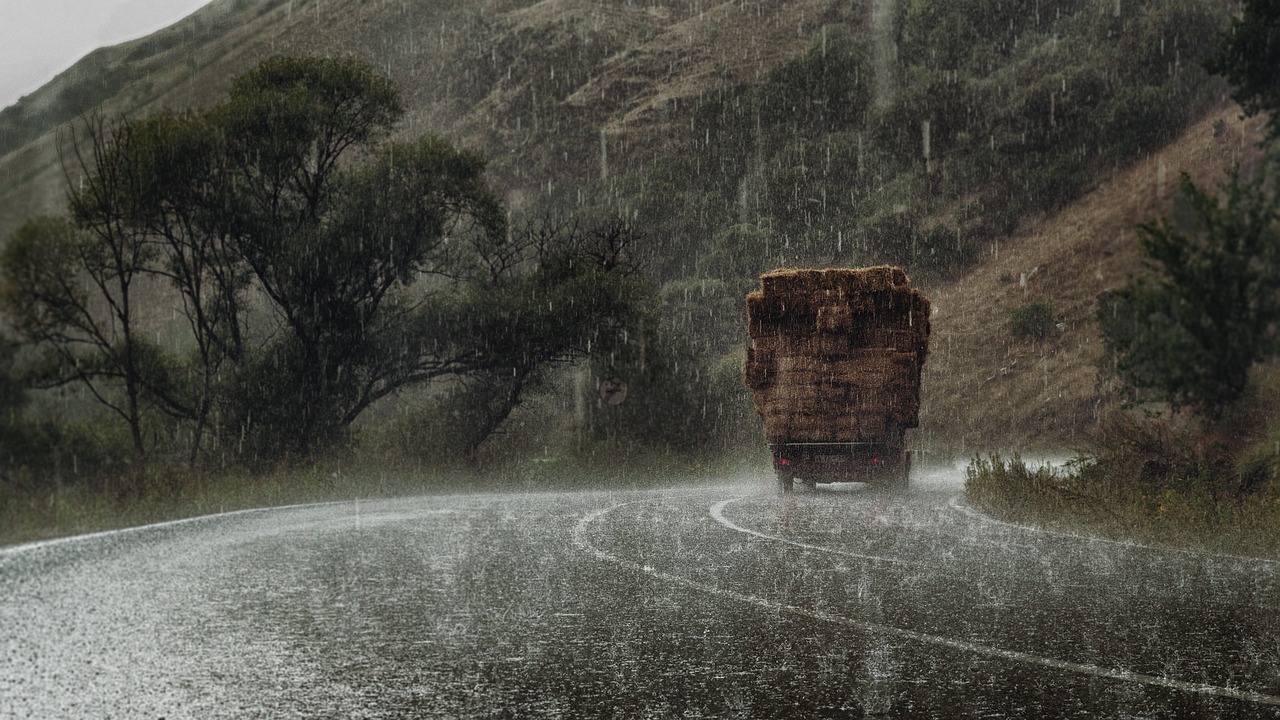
(1033, 321)
(1248, 55)
(1191, 331)
(827, 88)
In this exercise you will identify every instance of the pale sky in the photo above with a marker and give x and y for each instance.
(41, 38)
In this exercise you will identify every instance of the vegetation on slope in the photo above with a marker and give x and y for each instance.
(916, 136)
(310, 284)
(1191, 345)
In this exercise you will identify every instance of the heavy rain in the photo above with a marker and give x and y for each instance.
(640, 358)
(707, 601)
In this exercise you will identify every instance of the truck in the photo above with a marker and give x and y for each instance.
(834, 365)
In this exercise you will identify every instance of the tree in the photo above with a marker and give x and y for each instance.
(1248, 55)
(55, 279)
(553, 294)
(342, 274)
(12, 399)
(318, 266)
(169, 187)
(1189, 332)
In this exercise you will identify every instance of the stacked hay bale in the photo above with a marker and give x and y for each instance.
(835, 354)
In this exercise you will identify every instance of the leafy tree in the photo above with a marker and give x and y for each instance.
(319, 267)
(672, 361)
(400, 271)
(55, 280)
(1248, 55)
(37, 449)
(1190, 331)
(169, 199)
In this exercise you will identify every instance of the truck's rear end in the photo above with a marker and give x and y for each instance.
(834, 362)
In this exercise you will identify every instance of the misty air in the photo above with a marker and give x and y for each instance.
(641, 358)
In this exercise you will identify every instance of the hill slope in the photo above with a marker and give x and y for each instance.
(987, 390)
(532, 83)
(569, 91)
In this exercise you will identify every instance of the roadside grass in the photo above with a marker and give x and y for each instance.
(59, 510)
(621, 467)
(40, 512)
(1105, 497)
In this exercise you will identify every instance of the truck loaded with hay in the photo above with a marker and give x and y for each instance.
(834, 363)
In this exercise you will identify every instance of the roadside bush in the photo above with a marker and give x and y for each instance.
(38, 453)
(1148, 452)
(675, 387)
(1258, 468)
(1192, 330)
(1014, 490)
(1155, 478)
(1033, 321)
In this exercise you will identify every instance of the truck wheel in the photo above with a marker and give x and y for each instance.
(785, 482)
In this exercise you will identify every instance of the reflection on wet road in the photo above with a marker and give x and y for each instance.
(717, 600)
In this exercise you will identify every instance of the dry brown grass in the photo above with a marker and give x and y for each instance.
(653, 58)
(1104, 500)
(984, 390)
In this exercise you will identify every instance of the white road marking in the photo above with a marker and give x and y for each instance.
(717, 513)
(132, 529)
(582, 543)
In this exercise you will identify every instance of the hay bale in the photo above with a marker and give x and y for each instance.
(847, 281)
(834, 319)
(799, 304)
(835, 354)
(758, 371)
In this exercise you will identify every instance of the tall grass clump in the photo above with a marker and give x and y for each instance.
(1160, 479)
(1014, 490)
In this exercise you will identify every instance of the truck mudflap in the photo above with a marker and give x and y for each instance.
(883, 466)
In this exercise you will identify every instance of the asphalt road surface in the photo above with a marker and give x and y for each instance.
(720, 600)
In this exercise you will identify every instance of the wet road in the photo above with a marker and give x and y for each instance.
(709, 601)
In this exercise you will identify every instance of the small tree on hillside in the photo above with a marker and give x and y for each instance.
(1248, 55)
(1189, 332)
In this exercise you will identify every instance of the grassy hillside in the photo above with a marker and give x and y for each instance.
(748, 134)
(534, 84)
(990, 391)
